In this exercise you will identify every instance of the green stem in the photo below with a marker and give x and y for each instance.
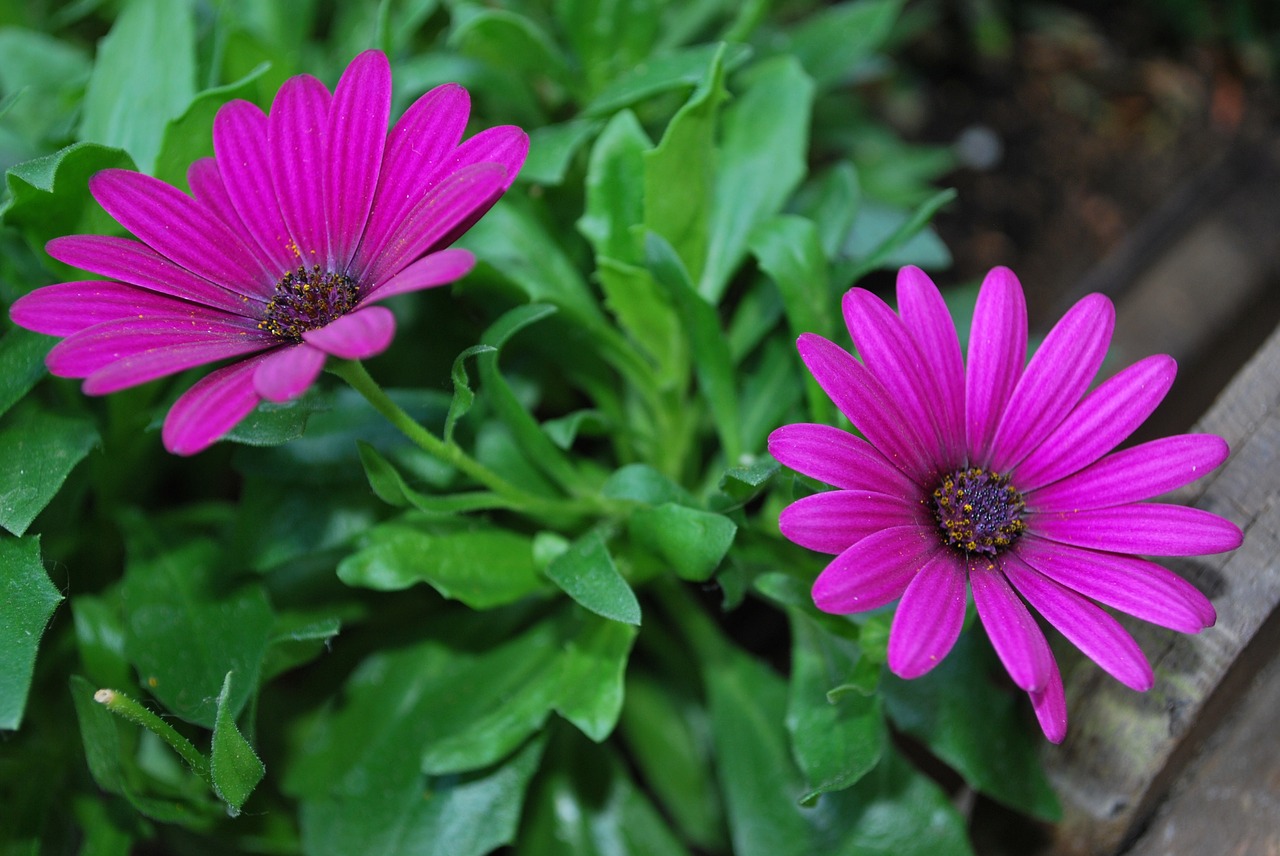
(123, 706)
(355, 374)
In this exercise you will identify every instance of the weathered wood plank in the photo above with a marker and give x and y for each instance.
(1124, 748)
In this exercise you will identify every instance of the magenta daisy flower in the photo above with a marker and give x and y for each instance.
(995, 477)
(302, 222)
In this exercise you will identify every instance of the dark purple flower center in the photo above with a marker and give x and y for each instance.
(978, 511)
(307, 300)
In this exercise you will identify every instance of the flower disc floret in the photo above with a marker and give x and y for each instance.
(307, 300)
(978, 511)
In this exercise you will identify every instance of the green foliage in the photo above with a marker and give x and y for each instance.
(459, 614)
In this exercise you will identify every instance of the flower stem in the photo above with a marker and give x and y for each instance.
(123, 706)
(359, 379)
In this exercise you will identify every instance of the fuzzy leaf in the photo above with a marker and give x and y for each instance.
(38, 450)
(692, 540)
(29, 600)
(587, 574)
(235, 767)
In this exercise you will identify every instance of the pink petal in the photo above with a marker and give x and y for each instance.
(296, 130)
(89, 351)
(834, 521)
(211, 408)
(427, 272)
(1150, 529)
(69, 307)
(839, 458)
(445, 206)
(928, 620)
(356, 335)
(926, 316)
(180, 229)
(136, 263)
(870, 407)
(1056, 377)
(285, 373)
(1140, 588)
(997, 353)
(1106, 416)
(890, 353)
(874, 571)
(1011, 628)
(1134, 474)
(157, 362)
(1050, 705)
(1099, 636)
(354, 143)
(416, 150)
(206, 185)
(244, 162)
(507, 146)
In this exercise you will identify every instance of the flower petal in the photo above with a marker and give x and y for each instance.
(505, 145)
(1134, 474)
(1149, 528)
(354, 143)
(244, 162)
(69, 307)
(135, 263)
(927, 318)
(866, 402)
(832, 522)
(1106, 416)
(839, 458)
(874, 571)
(427, 272)
(356, 335)
(1136, 586)
(211, 408)
(928, 620)
(889, 352)
(1056, 377)
(445, 206)
(206, 185)
(1050, 705)
(1099, 636)
(296, 130)
(1013, 631)
(997, 354)
(286, 372)
(181, 229)
(162, 360)
(91, 350)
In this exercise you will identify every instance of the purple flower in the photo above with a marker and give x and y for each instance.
(997, 473)
(300, 224)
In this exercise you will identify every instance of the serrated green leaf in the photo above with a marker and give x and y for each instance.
(49, 196)
(763, 156)
(463, 397)
(187, 627)
(274, 424)
(235, 767)
(835, 743)
(29, 599)
(21, 364)
(587, 574)
(483, 567)
(38, 450)
(976, 726)
(692, 540)
(144, 75)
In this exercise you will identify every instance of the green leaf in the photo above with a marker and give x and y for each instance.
(390, 486)
(587, 574)
(484, 567)
(100, 639)
(44, 76)
(615, 195)
(692, 540)
(585, 804)
(965, 718)
(833, 42)
(49, 196)
(607, 37)
(392, 809)
(296, 639)
(835, 743)
(189, 137)
(564, 431)
(274, 424)
(643, 483)
(763, 157)
(29, 599)
(552, 147)
(463, 397)
(831, 203)
(707, 343)
(893, 234)
(21, 364)
(235, 767)
(144, 76)
(594, 666)
(679, 174)
(663, 73)
(509, 41)
(38, 450)
(187, 627)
